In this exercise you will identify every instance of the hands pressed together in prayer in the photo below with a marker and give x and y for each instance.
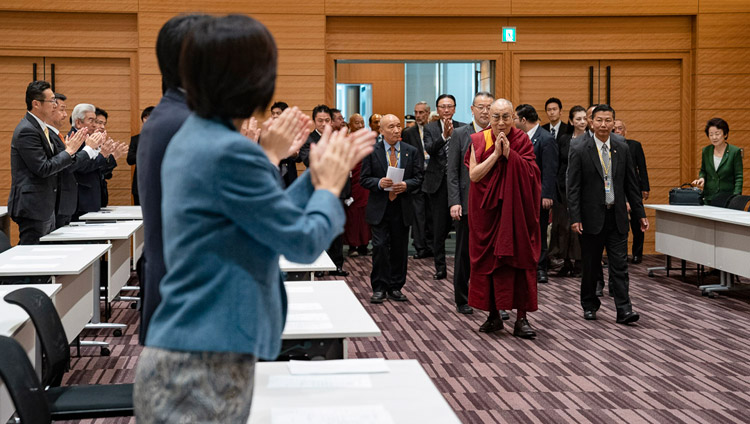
(502, 146)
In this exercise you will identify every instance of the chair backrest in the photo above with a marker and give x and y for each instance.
(49, 328)
(739, 202)
(721, 199)
(18, 375)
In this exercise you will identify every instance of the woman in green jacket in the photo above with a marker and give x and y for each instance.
(721, 164)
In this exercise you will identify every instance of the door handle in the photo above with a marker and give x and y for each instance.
(609, 85)
(33, 68)
(591, 85)
(52, 76)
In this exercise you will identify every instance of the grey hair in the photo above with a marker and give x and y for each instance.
(79, 112)
(427, 106)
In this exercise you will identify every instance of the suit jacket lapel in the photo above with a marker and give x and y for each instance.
(45, 144)
(594, 155)
(613, 158)
(379, 154)
(723, 158)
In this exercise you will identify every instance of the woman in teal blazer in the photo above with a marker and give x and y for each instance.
(721, 164)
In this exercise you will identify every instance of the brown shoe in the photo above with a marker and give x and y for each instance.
(491, 325)
(523, 329)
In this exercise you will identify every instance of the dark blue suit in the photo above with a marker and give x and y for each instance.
(166, 119)
(545, 149)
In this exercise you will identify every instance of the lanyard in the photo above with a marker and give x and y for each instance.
(604, 167)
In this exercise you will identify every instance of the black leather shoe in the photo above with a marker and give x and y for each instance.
(491, 325)
(440, 275)
(424, 254)
(397, 296)
(637, 259)
(319, 274)
(628, 318)
(541, 276)
(465, 309)
(599, 288)
(377, 297)
(339, 272)
(523, 329)
(504, 315)
(589, 315)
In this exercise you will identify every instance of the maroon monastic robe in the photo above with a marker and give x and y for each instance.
(504, 234)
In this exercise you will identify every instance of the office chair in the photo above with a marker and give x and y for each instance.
(739, 202)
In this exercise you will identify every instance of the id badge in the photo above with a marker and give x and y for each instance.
(607, 186)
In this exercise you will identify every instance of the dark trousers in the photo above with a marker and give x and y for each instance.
(31, 230)
(592, 246)
(62, 220)
(421, 229)
(336, 251)
(390, 250)
(441, 224)
(462, 268)
(543, 225)
(638, 235)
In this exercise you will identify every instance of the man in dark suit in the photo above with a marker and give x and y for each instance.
(545, 150)
(164, 122)
(601, 180)
(458, 195)
(421, 230)
(321, 115)
(133, 155)
(390, 209)
(35, 162)
(639, 160)
(555, 126)
(437, 136)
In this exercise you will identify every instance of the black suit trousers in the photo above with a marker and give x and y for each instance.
(462, 268)
(31, 230)
(421, 229)
(638, 235)
(592, 246)
(336, 251)
(441, 224)
(543, 225)
(390, 250)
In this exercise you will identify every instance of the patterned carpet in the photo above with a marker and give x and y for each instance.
(686, 361)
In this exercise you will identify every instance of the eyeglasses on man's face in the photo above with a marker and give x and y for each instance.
(446, 106)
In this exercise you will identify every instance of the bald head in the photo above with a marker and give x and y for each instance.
(620, 128)
(501, 116)
(356, 122)
(390, 127)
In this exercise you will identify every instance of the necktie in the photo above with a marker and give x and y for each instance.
(609, 195)
(552, 130)
(46, 134)
(393, 161)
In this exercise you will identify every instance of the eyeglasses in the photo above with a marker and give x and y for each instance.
(482, 108)
(52, 100)
(446, 106)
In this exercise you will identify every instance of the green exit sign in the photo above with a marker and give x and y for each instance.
(509, 34)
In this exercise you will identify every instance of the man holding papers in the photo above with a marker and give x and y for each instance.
(392, 172)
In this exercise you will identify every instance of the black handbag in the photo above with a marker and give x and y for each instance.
(686, 195)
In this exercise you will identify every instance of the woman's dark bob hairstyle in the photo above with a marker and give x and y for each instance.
(228, 67)
(718, 123)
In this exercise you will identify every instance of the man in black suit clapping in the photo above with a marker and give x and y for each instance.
(601, 179)
(390, 209)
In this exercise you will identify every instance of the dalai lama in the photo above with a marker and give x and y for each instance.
(504, 243)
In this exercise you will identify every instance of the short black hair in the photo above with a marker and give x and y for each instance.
(575, 109)
(146, 112)
(101, 112)
(280, 105)
(483, 94)
(168, 45)
(553, 100)
(527, 111)
(603, 108)
(220, 82)
(35, 91)
(321, 109)
(333, 111)
(445, 96)
(61, 96)
(718, 123)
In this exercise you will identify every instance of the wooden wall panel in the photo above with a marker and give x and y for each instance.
(417, 8)
(725, 61)
(85, 6)
(605, 7)
(723, 6)
(232, 6)
(387, 81)
(723, 30)
(61, 31)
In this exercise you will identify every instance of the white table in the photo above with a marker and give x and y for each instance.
(16, 323)
(406, 393)
(322, 263)
(5, 220)
(327, 312)
(121, 213)
(707, 235)
(74, 266)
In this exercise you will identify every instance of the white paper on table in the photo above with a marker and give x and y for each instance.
(57, 249)
(26, 267)
(396, 175)
(335, 414)
(339, 366)
(304, 306)
(308, 317)
(306, 289)
(37, 257)
(308, 326)
(341, 381)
